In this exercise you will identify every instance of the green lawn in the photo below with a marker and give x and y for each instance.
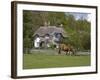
(32, 61)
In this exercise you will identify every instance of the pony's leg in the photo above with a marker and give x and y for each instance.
(59, 51)
(67, 52)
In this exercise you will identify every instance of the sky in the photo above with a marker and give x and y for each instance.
(78, 16)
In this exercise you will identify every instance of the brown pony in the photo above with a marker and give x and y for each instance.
(66, 48)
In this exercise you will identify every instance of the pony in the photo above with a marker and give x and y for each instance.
(66, 48)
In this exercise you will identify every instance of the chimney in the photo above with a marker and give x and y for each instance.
(61, 25)
(48, 23)
(45, 24)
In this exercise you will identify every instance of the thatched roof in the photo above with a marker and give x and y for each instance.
(42, 31)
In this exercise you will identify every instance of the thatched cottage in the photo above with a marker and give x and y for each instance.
(46, 36)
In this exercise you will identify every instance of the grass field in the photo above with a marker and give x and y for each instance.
(32, 61)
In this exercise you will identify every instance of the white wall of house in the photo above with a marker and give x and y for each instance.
(37, 42)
